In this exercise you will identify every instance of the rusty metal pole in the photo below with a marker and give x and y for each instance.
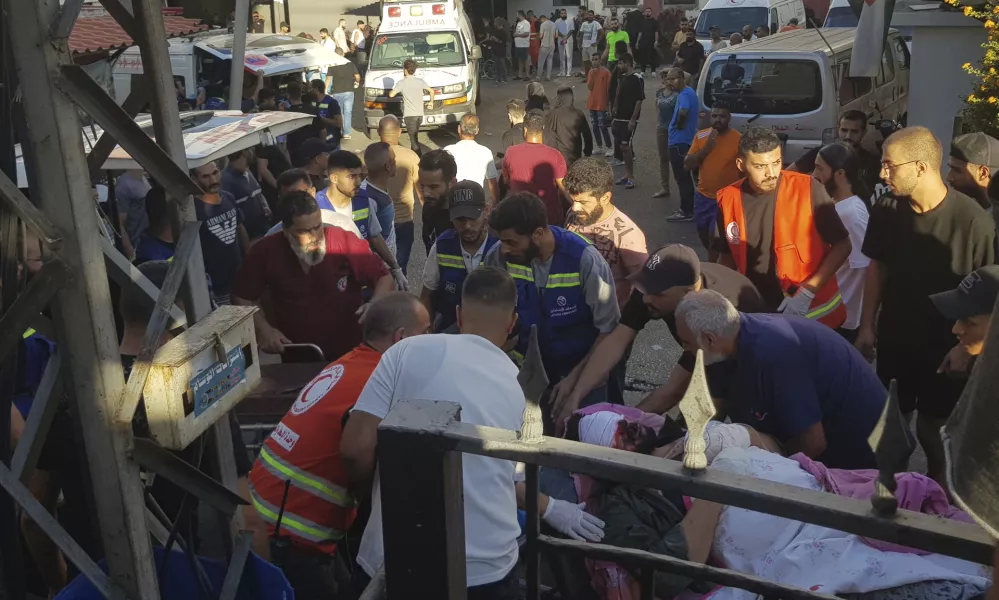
(83, 307)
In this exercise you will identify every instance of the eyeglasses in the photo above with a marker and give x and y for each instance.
(891, 167)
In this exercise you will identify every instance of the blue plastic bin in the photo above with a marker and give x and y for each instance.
(261, 580)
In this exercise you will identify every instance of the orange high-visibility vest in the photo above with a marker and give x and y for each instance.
(797, 244)
(305, 450)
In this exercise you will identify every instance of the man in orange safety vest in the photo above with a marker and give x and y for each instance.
(298, 476)
(780, 229)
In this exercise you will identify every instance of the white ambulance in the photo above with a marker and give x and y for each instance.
(438, 36)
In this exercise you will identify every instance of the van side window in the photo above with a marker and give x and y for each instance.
(887, 73)
(851, 88)
(901, 51)
(774, 21)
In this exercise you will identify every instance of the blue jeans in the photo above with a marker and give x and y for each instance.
(346, 102)
(597, 118)
(404, 236)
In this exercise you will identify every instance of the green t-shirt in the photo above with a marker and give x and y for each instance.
(613, 37)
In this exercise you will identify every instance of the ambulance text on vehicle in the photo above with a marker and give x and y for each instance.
(438, 36)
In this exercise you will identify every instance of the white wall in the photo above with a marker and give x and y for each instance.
(937, 83)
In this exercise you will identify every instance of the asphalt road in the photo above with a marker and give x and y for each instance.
(655, 351)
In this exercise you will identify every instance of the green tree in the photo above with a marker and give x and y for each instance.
(982, 104)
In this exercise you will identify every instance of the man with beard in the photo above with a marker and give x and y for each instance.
(852, 127)
(780, 229)
(341, 196)
(614, 36)
(297, 180)
(438, 173)
(747, 33)
(713, 154)
(564, 287)
(589, 39)
(922, 240)
(667, 277)
(224, 240)
(793, 379)
(590, 183)
(314, 160)
(647, 42)
(974, 157)
(314, 276)
(456, 253)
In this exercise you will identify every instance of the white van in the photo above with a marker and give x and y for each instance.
(202, 59)
(732, 15)
(438, 36)
(797, 83)
(841, 15)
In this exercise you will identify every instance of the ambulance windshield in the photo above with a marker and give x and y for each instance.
(436, 49)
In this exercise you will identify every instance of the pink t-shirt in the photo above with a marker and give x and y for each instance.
(620, 242)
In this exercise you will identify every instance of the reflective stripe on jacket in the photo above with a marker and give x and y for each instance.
(798, 247)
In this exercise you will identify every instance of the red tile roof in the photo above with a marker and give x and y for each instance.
(103, 33)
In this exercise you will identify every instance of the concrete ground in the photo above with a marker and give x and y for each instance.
(655, 351)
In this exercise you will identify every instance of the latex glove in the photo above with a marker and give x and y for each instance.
(797, 304)
(400, 279)
(571, 520)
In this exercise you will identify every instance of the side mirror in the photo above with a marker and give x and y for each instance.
(476, 52)
(872, 104)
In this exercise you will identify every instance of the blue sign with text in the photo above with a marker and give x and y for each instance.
(215, 381)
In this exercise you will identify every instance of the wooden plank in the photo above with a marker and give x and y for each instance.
(36, 429)
(129, 401)
(79, 87)
(102, 149)
(698, 571)
(56, 533)
(236, 565)
(62, 25)
(916, 530)
(124, 273)
(419, 514)
(28, 214)
(30, 302)
(169, 466)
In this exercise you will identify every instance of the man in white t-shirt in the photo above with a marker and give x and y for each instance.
(549, 36)
(589, 36)
(446, 367)
(475, 161)
(521, 45)
(837, 167)
(565, 32)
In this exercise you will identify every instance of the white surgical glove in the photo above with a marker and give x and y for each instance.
(571, 520)
(400, 279)
(798, 304)
(719, 436)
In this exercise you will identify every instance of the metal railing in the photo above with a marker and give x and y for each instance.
(420, 444)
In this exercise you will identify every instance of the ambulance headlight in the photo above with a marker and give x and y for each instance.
(454, 88)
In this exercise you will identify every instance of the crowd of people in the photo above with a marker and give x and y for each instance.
(809, 276)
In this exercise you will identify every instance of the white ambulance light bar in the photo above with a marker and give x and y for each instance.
(416, 10)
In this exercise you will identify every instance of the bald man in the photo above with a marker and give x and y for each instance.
(380, 165)
(922, 238)
(401, 187)
(475, 161)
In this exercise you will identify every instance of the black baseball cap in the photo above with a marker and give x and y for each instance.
(468, 200)
(975, 295)
(977, 149)
(311, 148)
(670, 266)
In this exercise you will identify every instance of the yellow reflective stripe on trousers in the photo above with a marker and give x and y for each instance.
(305, 481)
(825, 309)
(520, 272)
(360, 214)
(296, 524)
(561, 280)
(450, 260)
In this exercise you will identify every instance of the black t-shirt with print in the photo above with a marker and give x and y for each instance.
(761, 262)
(219, 243)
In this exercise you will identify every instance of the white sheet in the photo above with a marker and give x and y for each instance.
(812, 557)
